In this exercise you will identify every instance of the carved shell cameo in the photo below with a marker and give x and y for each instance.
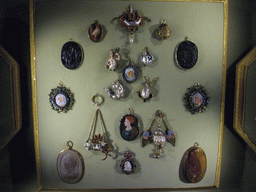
(70, 165)
(95, 32)
(194, 164)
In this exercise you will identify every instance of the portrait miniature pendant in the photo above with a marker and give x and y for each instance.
(163, 30)
(196, 99)
(158, 137)
(71, 55)
(144, 91)
(61, 98)
(95, 32)
(114, 57)
(131, 20)
(116, 91)
(194, 164)
(98, 142)
(70, 165)
(128, 163)
(146, 58)
(130, 73)
(129, 126)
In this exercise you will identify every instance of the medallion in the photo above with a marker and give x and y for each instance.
(61, 98)
(70, 165)
(129, 126)
(186, 54)
(98, 142)
(114, 57)
(128, 163)
(194, 164)
(146, 58)
(196, 99)
(130, 73)
(95, 32)
(158, 137)
(71, 55)
(163, 30)
(116, 91)
(144, 91)
(131, 20)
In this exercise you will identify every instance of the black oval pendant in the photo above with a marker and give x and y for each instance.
(71, 55)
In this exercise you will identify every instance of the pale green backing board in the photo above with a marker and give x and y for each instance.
(57, 22)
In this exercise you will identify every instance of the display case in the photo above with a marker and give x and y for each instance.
(161, 84)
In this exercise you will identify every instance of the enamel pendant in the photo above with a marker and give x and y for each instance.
(163, 30)
(71, 55)
(146, 58)
(131, 20)
(128, 163)
(144, 91)
(61, 98)
(158, 137)
(116, 91)
(196, 99)
(194, 164)
(129, 126)
(95, 32)
(130, 73)
(98, 142)
(114, 57)
(70, 165)
(186, 54)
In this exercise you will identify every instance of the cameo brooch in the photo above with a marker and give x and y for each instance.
(196, 99)
(129, 126)
(128, 163)
(61, 98)
(71, 55)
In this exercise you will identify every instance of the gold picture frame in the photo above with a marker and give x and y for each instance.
(10, 98)
(241, 100)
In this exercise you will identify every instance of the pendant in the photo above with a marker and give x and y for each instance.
(186, 54)
(196, 99)
(146, 58)
(144, 91)
(130, 73)
(194, 164)
(61, 98)
(131, 20)
(129, 126)
(128, 163)
(116, 91)
(163, 30)
(95, 32)
(98, 142)
(158, 137)
(70, 165)
(114, 57)
(71, 55)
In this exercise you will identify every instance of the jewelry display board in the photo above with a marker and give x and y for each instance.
(54, 23)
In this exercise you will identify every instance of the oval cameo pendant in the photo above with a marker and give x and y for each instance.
(71, 55)
(70, 165)
(129, 127)
(128, 163)
(95, 32)
(194, 164)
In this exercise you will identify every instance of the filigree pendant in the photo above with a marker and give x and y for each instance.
(61, 98)
(127, 164)
(129, 126)
(70, 165)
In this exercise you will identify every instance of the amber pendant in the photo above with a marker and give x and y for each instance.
(194, 164)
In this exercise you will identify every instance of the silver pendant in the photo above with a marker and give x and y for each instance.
(146, 58)
(144, 91)
(116, 91)
(114, 57)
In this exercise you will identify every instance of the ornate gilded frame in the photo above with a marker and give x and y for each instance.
(34, 91)
(240, 97)
(15, 97)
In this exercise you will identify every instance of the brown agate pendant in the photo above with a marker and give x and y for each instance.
(95, 32)
(194, 164)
